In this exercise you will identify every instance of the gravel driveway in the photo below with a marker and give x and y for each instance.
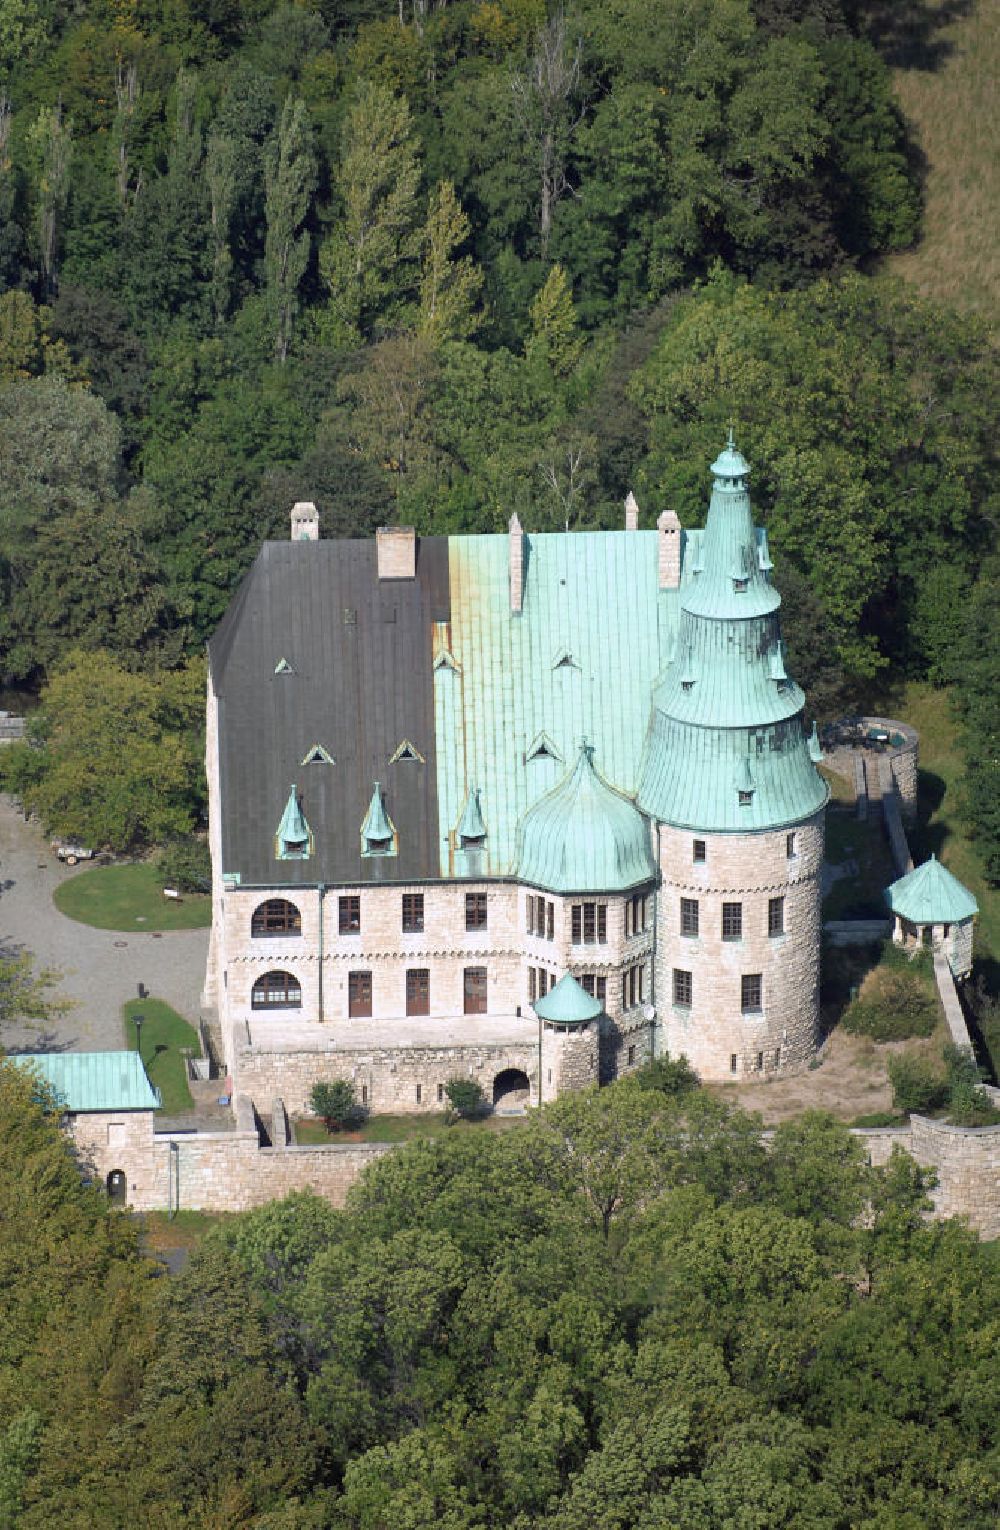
(99, 969)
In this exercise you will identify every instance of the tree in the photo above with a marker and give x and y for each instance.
(449, 283)
(290, 176)
(335, 1102)
(549, 113)
(25, 996)
(465, 1097)
(51, 140)
(367, 262)
(119, 754)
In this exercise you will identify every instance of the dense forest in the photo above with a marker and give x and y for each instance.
(440, 260)
(624, 1315)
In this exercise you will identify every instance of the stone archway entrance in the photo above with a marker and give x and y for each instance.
(117, 1186)
(511, 1091)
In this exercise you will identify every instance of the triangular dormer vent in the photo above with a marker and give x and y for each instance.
(564, 660)
(406, 751)
(317, 755)
(542, 748)
(283, 668)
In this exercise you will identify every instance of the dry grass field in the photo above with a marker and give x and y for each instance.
(949, 95)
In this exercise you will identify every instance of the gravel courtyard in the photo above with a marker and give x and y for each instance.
(99, 969)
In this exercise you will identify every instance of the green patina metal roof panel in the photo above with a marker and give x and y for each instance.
(377, 825)
(94, 1081)
(568, 1003)
(931, 894)
(583, 836)
(593, 593)
(471, 824)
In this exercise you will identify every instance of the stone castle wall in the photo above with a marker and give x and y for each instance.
(750, 870)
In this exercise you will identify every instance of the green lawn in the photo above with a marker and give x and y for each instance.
(129, 898)
(861, 845)
(310, 1132)
(164, 1033)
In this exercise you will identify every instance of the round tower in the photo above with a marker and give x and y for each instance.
(729, 774)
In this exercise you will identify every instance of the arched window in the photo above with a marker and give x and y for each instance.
(276, 917)
(276, 990)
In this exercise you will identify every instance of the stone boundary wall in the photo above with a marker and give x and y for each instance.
(892, 818)
(966, 1160)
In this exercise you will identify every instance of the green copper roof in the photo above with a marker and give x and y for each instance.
(567, 1003)
(583, 836)
(932, 895)
(726, 748)
(105, 1081)
(593, 594)
(471, 824)
(377, 831)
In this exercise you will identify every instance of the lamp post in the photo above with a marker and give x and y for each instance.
(137, 1022)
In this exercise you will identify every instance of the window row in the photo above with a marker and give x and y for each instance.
(282, 990)
(637, 911)
(732, 918)
(279, 917)
(734, 1061)
(699, 847)
(751, 991)
(541, 917)
(539, 983)
(634, 986)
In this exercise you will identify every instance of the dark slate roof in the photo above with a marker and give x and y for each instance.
(360, 683)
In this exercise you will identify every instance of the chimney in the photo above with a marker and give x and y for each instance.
(305, 521)
(516, 546)
(631, 513)
(396, 549)
(668, 536)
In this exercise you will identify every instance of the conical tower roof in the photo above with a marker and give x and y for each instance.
(726, 748)
(568, 1003)
(584, 836)
(931, 894)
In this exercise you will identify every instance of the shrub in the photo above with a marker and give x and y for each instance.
(968, 1102)
(336, 1103)
(894, 1004)
(879, 1118)
(668, 1075)
(466, 1098)
(187, 865)
(916, 1084)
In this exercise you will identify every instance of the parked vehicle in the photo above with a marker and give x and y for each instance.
(70, 852)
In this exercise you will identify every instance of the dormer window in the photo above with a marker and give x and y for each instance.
(542, 749)
(378, 832)
(687, 685)
(293, 840)
(746, 798)
(740, 586)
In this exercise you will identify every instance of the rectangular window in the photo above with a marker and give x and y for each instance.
(635, 915)
(532, 985)
(440, 1094)
(349, 910)
(683, 987)
(413, 913)
(364, 1094)
(543, 982)
(790, 846)
(760, 1062)
(777, 1057)
(418, 991)
(530, 913)
(732, 1062)
(732, 921)
(596, 986)
(359, 995)
(475, 990)
(475, 911)
(633, 987)
(590, 924)
(750, 992)
(698, 850)
(776, 916)
(550, 921)
(689, 916)
(419, 1093)
(631, 1056)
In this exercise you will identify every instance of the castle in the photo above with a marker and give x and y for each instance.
(525, 808)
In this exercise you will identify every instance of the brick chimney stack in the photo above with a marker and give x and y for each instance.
(396, 551)
(631, 512)
(305, 521)
(668, 531)
(516, 547)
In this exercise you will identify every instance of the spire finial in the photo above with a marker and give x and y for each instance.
(731, 443)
